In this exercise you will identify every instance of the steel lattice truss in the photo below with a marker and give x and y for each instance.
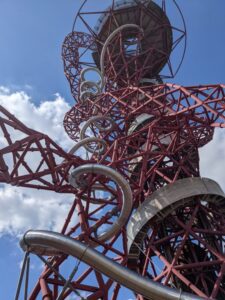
(190, 120)
(157, 129)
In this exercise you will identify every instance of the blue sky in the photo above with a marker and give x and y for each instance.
(31, 72)
(32, 32)
(31, 36)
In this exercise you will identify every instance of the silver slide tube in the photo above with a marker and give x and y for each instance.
(108, 40)
(84, 142)
(86, 86)
(39, 241)
(122, 184)
(94, 69)
(94, 120)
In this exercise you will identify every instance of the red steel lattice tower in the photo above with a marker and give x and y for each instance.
(134, 169)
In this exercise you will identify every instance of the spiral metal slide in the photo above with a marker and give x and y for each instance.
(47, 243)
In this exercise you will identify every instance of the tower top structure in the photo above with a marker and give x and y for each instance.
(153, 50)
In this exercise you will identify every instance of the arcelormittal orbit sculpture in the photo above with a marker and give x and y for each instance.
(142, 216)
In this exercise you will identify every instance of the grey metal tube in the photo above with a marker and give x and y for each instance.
(108, 40)
(94, 121)
(94, 69)
(21, 275)
(87, 85)
(85, 90)
(38, 241)
(87, 140)
(123, 185)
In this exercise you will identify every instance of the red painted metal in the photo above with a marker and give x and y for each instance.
(186, 249)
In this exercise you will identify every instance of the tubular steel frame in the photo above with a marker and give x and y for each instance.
(154, 140)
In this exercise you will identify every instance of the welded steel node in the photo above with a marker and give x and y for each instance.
(141, 210)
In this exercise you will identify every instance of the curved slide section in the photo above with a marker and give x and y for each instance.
(47, 243)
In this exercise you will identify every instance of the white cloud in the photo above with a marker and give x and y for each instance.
(46, 117)
(20, 208)
(212, 158)
(23, 209)
(4, 90)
